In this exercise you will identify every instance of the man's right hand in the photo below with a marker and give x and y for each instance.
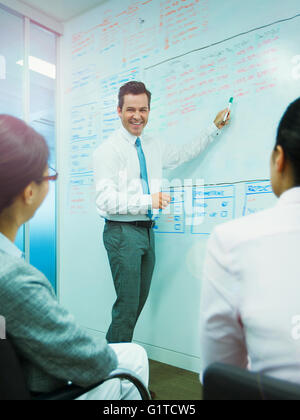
(160, 200)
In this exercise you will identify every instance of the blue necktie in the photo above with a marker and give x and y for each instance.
(143, 167)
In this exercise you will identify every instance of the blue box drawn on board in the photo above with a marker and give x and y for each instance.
(175, 218)
(217, 206)
(258, 196)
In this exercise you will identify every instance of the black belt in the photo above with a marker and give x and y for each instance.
(138, 223)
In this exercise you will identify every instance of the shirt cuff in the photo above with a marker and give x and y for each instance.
(146, 202)
(213, 130)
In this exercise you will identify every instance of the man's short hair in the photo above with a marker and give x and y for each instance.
(133, 88)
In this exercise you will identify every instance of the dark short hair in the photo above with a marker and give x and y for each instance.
(23, 158)
(133, 88)
(288, 137)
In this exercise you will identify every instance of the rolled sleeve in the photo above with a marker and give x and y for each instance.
(174, 156)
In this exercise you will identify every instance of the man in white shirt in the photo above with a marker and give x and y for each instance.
(128, 173)
(250, 304)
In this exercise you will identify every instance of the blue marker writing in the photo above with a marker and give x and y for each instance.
(229, 108)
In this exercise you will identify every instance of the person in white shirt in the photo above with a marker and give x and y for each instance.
(250, 303)
(128, 173)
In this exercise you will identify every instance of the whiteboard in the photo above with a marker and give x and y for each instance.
(193, 56)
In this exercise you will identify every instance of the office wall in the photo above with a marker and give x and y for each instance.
(194, 55)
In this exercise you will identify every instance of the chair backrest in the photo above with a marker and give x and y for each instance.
(12, 383)
(224, 382)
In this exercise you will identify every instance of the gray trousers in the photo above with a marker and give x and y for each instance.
(131, 254)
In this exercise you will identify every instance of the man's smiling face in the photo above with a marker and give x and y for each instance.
(135, 113)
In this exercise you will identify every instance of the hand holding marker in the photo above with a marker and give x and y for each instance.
(229, 108)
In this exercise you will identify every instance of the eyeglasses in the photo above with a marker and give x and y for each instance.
(53, 175)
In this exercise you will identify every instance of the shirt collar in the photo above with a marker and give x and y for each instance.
(291, 196)
(128, 136)
(9, 247)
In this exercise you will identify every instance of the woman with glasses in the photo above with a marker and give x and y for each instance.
(52, 347)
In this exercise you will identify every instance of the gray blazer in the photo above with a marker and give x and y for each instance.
(52, 347)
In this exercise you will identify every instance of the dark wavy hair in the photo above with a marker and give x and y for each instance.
(133, 88)
(23, 158)
(288, 137)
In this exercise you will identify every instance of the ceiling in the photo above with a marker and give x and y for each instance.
(63, 10)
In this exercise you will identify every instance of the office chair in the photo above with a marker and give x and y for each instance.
(13, 387)
(224, 382)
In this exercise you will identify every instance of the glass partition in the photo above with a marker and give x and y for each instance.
(42, 65)
(41, 100)
(11, 73)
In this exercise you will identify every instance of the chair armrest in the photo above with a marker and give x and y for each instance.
(72, 392)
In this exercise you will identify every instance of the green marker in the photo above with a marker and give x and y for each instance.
(229, 108)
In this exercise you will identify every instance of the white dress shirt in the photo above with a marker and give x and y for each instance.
(119, 192)
(250, 304)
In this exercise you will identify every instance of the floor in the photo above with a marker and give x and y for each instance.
(171, 383)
